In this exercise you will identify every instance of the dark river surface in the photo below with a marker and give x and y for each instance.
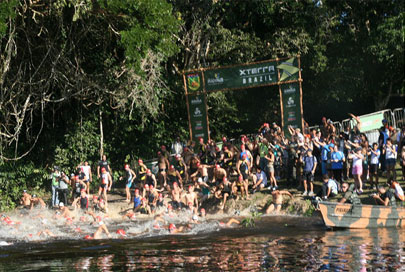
(276, 243)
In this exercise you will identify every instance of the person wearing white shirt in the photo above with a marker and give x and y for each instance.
(374, 163)
(86, 168)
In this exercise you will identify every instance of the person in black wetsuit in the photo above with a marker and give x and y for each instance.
(173, 176)
(82, 201)
(150, 179)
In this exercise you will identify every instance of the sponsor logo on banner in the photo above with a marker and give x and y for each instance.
(197, 112)
(290, 102)
(291, 116)
(257, 75)
(290, 90)
(193, 81)
(199, 135)
(216, 80)
(198, 125)
(196, 100)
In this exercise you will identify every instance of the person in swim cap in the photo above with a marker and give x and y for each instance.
(129, 177)
(101, 227)
(37, 201)
(150, 178)
(163, 164)
(173, 229)
(26, 200)
(106, 183)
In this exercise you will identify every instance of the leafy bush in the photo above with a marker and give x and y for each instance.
(251, 221)
(15, 177)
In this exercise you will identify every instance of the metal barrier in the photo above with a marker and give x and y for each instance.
(399, 117)
(395, 118)
(338, 127)
(346, 123)
(389, 116)
(372, 136)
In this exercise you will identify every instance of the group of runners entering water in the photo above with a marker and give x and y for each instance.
(193, 178)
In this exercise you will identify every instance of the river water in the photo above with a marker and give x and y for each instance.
(276, 243)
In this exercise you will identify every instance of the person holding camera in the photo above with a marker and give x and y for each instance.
(390, 159)
(63, 190)
(337, 159)
(357, 168)
(55, 185)
(384, 197)
(374, 162)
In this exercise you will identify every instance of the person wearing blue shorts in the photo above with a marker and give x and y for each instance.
(129, 177)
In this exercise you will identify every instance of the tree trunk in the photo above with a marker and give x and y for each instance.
(101, 134)
(381, 102)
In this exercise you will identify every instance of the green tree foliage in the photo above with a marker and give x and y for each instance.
(98, 52)
(79, 144)
(7, 12)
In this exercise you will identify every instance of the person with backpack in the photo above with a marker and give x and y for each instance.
(310, 164)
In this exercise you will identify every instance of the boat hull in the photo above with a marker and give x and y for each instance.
(342, 215)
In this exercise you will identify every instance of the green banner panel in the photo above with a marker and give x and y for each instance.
(241, 76)
(198, 116)
(371, 122)
(289, 69)
(291, 98)
(194, 82)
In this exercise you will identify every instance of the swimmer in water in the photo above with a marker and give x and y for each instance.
(229, 223)
(101, 227)
(63, 211)
(35, 201)
(174, 230)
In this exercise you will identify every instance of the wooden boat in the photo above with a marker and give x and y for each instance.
(343, 215)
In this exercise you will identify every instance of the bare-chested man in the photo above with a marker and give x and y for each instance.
(277, 201)
(63, 212)
(201, 171)
(224, 191)
(175, 195)
(26, 199)
(164, 151)
(163, 164)
(187, 155)
(35, 201)
(191, 196)
(193, 165)
(219, 174)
